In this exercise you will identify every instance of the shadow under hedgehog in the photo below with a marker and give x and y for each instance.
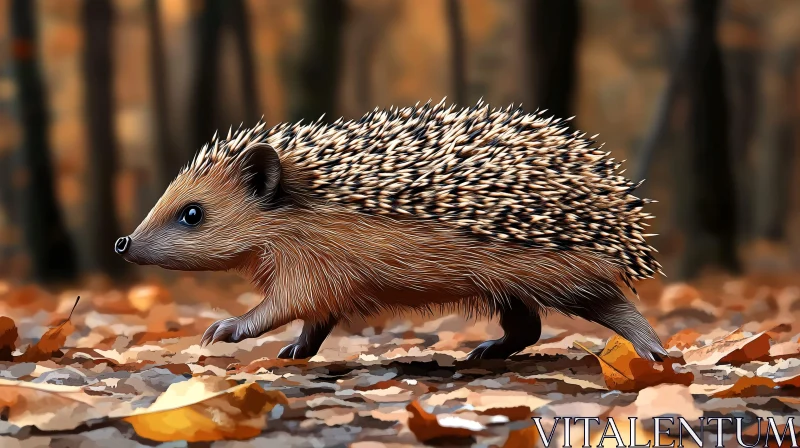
(487, 211)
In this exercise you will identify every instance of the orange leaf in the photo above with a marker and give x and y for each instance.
(51, 342)
(8, 338)
(735, 348)
(427, 426)
(522, 438)
(747, 387)
(624, 370)
(683, 339)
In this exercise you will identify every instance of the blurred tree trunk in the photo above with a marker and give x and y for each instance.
(318, 77)
(664, 111)
(553, 40)
(205, 104)
(456, 32)
(742, 69)
(99, 87)
(51, 250)
(776, 160)
(168, 160)
(206, 109)
(707, 188)
(239, 23)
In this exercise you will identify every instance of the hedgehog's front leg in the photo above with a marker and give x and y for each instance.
(263, 318)
(251, 324)
(522, 326)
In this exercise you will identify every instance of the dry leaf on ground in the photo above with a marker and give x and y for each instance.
(8, 338)
(625, 370)
(683, 339)
(748, 386)
(735, 348)
(522, 438)
(189, 411)
(49, 407)
(52, 341)
(427, 427)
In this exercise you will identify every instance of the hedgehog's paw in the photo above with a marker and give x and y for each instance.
(310, 340)
(297, 350)
(494, 349)
(225, 330)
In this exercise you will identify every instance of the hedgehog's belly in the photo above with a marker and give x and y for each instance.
(414, 298)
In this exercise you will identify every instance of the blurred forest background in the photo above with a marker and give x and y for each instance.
(102, 101)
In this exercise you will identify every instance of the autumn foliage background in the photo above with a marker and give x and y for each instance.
(102, 101)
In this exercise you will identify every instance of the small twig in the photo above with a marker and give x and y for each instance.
(71, 311)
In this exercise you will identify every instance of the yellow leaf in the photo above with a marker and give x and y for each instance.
(235, 413)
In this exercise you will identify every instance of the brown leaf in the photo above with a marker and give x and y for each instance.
(735, 348)
(428, 427)
(624, 370)
(8, 338)
(51, 342)
(748, 386)
(522, 438)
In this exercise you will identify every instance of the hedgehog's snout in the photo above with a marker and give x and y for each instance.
(122, 245)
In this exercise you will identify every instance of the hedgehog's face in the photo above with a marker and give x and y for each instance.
(206, 220)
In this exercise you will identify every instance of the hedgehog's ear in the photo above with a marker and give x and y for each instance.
(263, 168)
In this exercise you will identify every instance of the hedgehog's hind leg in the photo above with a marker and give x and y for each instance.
(610, 308)
(309, 341)
(522, 326)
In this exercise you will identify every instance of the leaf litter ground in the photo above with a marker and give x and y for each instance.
(125, 366)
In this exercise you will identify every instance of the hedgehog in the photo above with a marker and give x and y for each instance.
(493, 212)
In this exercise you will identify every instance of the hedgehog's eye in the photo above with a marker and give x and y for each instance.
(191, 215)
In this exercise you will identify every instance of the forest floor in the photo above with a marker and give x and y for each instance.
(126, 369)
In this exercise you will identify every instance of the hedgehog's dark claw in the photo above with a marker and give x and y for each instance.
(225, 330)
(288, 351)
(310, 340)
(296, 350)
(495, 349)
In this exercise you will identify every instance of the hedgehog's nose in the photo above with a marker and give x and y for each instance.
(122, 245)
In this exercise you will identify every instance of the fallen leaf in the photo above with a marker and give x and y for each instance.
(49, 407)
(522, 438)
(755, 386)
(427, 427)
(735, 348)
(52, 341)
(747, 386)
(683, 339)
(236, 413)
(8, 338)
(624, 370)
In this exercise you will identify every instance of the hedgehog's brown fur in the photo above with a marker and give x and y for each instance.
(479, 209)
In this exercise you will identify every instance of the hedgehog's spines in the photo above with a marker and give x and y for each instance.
(499, 174)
